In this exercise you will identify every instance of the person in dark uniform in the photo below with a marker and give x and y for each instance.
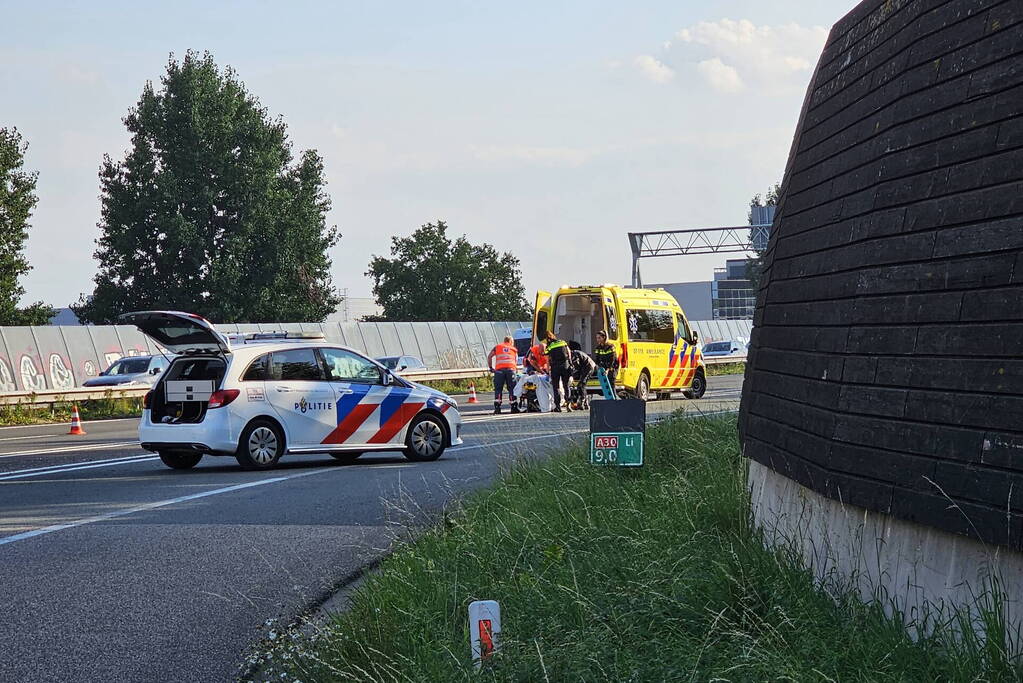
(583, 370)
(606, 357)
(559, 355)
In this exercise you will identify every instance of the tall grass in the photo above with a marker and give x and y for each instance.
(461, 386)
(648, 574)
(92, 409)
(726, 369)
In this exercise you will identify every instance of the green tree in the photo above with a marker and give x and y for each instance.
(209, 212)
(17, 200)
(755, 263)
(431, 277)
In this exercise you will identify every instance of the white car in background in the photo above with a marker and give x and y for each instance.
(717, 349)
(399, 364)
(258, 397)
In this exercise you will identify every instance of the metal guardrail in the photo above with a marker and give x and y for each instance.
(725, 360)
(49, 397)
(434, 375)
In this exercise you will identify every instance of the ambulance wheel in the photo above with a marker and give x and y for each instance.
(425, 439)
(643, 387)
(347, 457)
(179, 460)
(261, 445)
(699, 386)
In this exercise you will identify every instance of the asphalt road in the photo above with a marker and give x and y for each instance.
(115, 568)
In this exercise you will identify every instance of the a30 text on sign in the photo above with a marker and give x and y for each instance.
(624, 449)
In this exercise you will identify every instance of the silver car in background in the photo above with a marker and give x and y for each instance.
(130, 370)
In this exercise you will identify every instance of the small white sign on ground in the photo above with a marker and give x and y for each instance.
(484, 629)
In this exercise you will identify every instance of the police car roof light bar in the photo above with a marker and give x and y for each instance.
(252, 337)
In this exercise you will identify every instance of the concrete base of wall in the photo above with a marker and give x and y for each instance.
(907, 566)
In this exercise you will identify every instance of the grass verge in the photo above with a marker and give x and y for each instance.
(95, 409)
(461, 386)
(650, 574)
(726, 369)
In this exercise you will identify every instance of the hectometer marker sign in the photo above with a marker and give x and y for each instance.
(624, 449)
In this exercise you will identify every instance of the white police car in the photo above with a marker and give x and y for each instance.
(257, 397)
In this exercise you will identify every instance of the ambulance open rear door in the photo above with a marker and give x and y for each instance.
(542, 314)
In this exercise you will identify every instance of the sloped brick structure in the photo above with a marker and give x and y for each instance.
(886, 364)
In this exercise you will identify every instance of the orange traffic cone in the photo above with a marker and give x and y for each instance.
(76, 422)
(472, 392)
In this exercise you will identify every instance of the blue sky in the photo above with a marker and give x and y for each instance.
(549, 129)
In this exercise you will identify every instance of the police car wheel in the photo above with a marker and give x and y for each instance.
(347, 457)
(180, 460)
(698, 387)
(261, 446)
(425, 439)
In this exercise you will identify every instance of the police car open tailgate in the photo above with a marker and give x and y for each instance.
(178, 332)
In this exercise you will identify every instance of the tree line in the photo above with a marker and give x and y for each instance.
(212, 212)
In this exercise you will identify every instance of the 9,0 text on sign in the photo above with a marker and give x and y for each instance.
(624, 449)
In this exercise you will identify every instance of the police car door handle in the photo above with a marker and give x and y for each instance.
(283, 390)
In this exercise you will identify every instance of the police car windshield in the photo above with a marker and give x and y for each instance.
(718, 346)
(129, 366)
(390, 362)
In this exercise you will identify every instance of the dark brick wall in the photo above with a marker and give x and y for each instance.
(886, 364)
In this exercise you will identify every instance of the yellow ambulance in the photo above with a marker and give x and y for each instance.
(657, 348)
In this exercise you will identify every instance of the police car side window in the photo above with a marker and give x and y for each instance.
(295, 364)
(257, 370)
(345, 366)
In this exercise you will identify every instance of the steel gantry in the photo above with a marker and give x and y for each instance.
(696, 241)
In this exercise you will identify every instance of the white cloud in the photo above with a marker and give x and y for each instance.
(654, 69)
(77, 75)
(720, 76)
(735, 55)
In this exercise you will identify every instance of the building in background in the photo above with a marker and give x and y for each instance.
(64, 316)
(729, 296)
(732, 292)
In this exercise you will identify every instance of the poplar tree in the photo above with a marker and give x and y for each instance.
(210, 212)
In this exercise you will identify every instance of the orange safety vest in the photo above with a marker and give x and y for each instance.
(538, 358)
(505, 357)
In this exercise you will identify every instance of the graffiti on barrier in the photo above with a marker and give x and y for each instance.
(31, 378)
(90, 368)
(60, 376)
(7, 383)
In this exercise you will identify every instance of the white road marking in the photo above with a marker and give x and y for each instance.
(37, 426)
(505, 443)
(34, 436)
(158, 504)
(72, 449)
(72, 467)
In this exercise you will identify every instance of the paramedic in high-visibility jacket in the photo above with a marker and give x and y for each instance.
(559, 355)
(605, 355)
(503, 361)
